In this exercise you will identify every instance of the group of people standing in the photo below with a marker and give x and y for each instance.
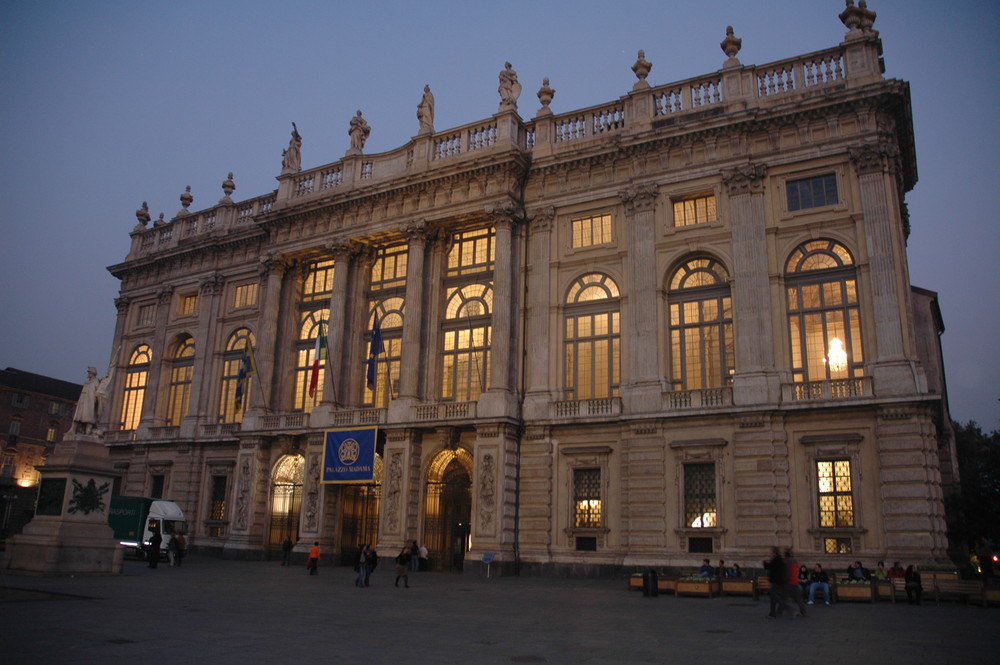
(176, 547)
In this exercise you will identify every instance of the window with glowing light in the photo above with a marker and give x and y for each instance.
(386, 294)
(232, 358)
(699, 496)
(702, 353)
(695, 210)
(187, 304)
(181, 374)
(468, 320)
(836, 498)
(590, 231)
(592, 346)
(136, 376)
(314, 316)
(245, 295)
(587, 498)
(824, 320)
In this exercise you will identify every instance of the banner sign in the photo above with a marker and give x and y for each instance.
(349, 455)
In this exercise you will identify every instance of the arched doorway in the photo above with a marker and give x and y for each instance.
(448, 509)
(286, 501)
(359, 514)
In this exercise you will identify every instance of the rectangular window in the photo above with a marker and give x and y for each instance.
(15, 427)
(838, 546)
(156, 489)
(587, 498)
(50, 436)
(836, 499)
(695, 210)
(590, 231)
(389, 269)
(245, 295)
(55, 408)
(699, 495)
(471, 252)
(188, 303)
(319, 282)
(217, 511)
(814, 192)
(7, 469)
(19, 400)
(147, 315)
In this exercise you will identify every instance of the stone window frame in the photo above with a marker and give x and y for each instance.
(837, 170)
(246, 288)
(699, 451)
(578, 458)
(564, 226)
(214, 468)
(829, 447)
(145, 315)
(187, 304)
(576, 309)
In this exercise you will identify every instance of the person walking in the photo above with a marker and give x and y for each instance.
(914, 589)
(792, 589)
(403, 566)
(361, 567)
(775, 567)
(414, 556)
(153, 553)
(181, 542)
(286, 551)
(313, 563)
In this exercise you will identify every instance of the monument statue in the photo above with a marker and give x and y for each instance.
(425, 112)
(291, 157)
(359, 132)
(509, 88)
(93, 397)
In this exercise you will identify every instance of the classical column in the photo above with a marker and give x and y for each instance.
(410, 360)
(641, 387)
(333, 382)
(434, 311)
(117, 364)
(272, 273)
(164, 298)
(499, 399)
(876, 166)
(211, 293)
(755, 380)
(494, 486)
(539, 238)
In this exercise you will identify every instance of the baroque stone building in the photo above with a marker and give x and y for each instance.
(672, 324)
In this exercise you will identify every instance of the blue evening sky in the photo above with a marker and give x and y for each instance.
(106, 104)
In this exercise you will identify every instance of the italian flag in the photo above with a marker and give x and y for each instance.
(319, 356)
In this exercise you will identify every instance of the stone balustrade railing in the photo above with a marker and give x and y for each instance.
(734, 88)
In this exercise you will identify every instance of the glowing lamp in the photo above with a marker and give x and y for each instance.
(836, 357)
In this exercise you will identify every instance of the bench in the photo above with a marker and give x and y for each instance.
(954, 589)
(740, 586)
(898, 588)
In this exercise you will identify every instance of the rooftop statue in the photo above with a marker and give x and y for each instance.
(425, 112)
(358, 132)
(509, 88)
(291, 157)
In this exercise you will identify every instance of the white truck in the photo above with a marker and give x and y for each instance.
(134, 518)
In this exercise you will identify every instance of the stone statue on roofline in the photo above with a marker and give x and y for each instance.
(291, 157)
(358, 132)
(509, 88)
(425, 112)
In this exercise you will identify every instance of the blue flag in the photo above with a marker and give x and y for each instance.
(377, 347)
(349, 456)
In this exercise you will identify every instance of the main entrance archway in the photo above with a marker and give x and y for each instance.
(286, 501)
(359, 517)
(448, 509)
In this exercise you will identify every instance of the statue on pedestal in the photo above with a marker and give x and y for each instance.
(291, 157)
(90, 406)
(425, 112)
(509, 88)
(358, 132)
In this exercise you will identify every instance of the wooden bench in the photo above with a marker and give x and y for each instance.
(955, 589)
(740, 586)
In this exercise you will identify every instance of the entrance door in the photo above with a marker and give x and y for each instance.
(286, 502)
(448, 516)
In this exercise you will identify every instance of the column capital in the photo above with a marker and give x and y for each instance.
(504, 212)
(272, 262)
(870, 158)
(417, 231)
(164, 294)
(542, 218)
(640, 198)
(212, 284)
(122, 304)
(746, 179)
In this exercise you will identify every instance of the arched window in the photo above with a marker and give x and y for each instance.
(313, 323)
(390, 317)
(592, 344)
(136, 377)
(465, 355)
(181, 373)
(824, 324)
(701, 326)
(229, 410)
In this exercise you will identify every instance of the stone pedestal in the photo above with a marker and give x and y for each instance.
(69, 533)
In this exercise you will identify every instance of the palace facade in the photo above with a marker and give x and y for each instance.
(675, 325)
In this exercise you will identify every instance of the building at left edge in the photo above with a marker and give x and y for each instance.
(672, 325)
(35, 413)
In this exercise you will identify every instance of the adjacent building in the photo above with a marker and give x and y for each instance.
(674, 324)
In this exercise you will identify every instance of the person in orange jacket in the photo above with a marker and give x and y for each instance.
(313, 563)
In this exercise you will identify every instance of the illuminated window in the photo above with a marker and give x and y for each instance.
(587, 498)
(55, 408)
(590, 231)
(389, 268)
(136, 376)
(823, 314)
(465, 356)
(836, 500)
(838, 546)
(592, 347)
(699, 495)
(814, 192)
(390, 317)
(245, 295)
(318, 283)
(50, 436)
(310, 325)
(181, 373)
(146, 315)
(472, 252)
(232, 358)
(187, 304)
(702, 353)
(217, 511)
(695, 210)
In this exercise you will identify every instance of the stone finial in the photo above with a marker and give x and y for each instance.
(858, 19)
(509, 88)
(160, 221)
(186, 201)
(142, 214)
(545, 95)
(731, 45)
(228, 187)
(641, 69)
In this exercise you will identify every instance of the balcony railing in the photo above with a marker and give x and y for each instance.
(835, 389)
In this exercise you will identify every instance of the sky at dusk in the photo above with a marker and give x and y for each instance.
(106, 104)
